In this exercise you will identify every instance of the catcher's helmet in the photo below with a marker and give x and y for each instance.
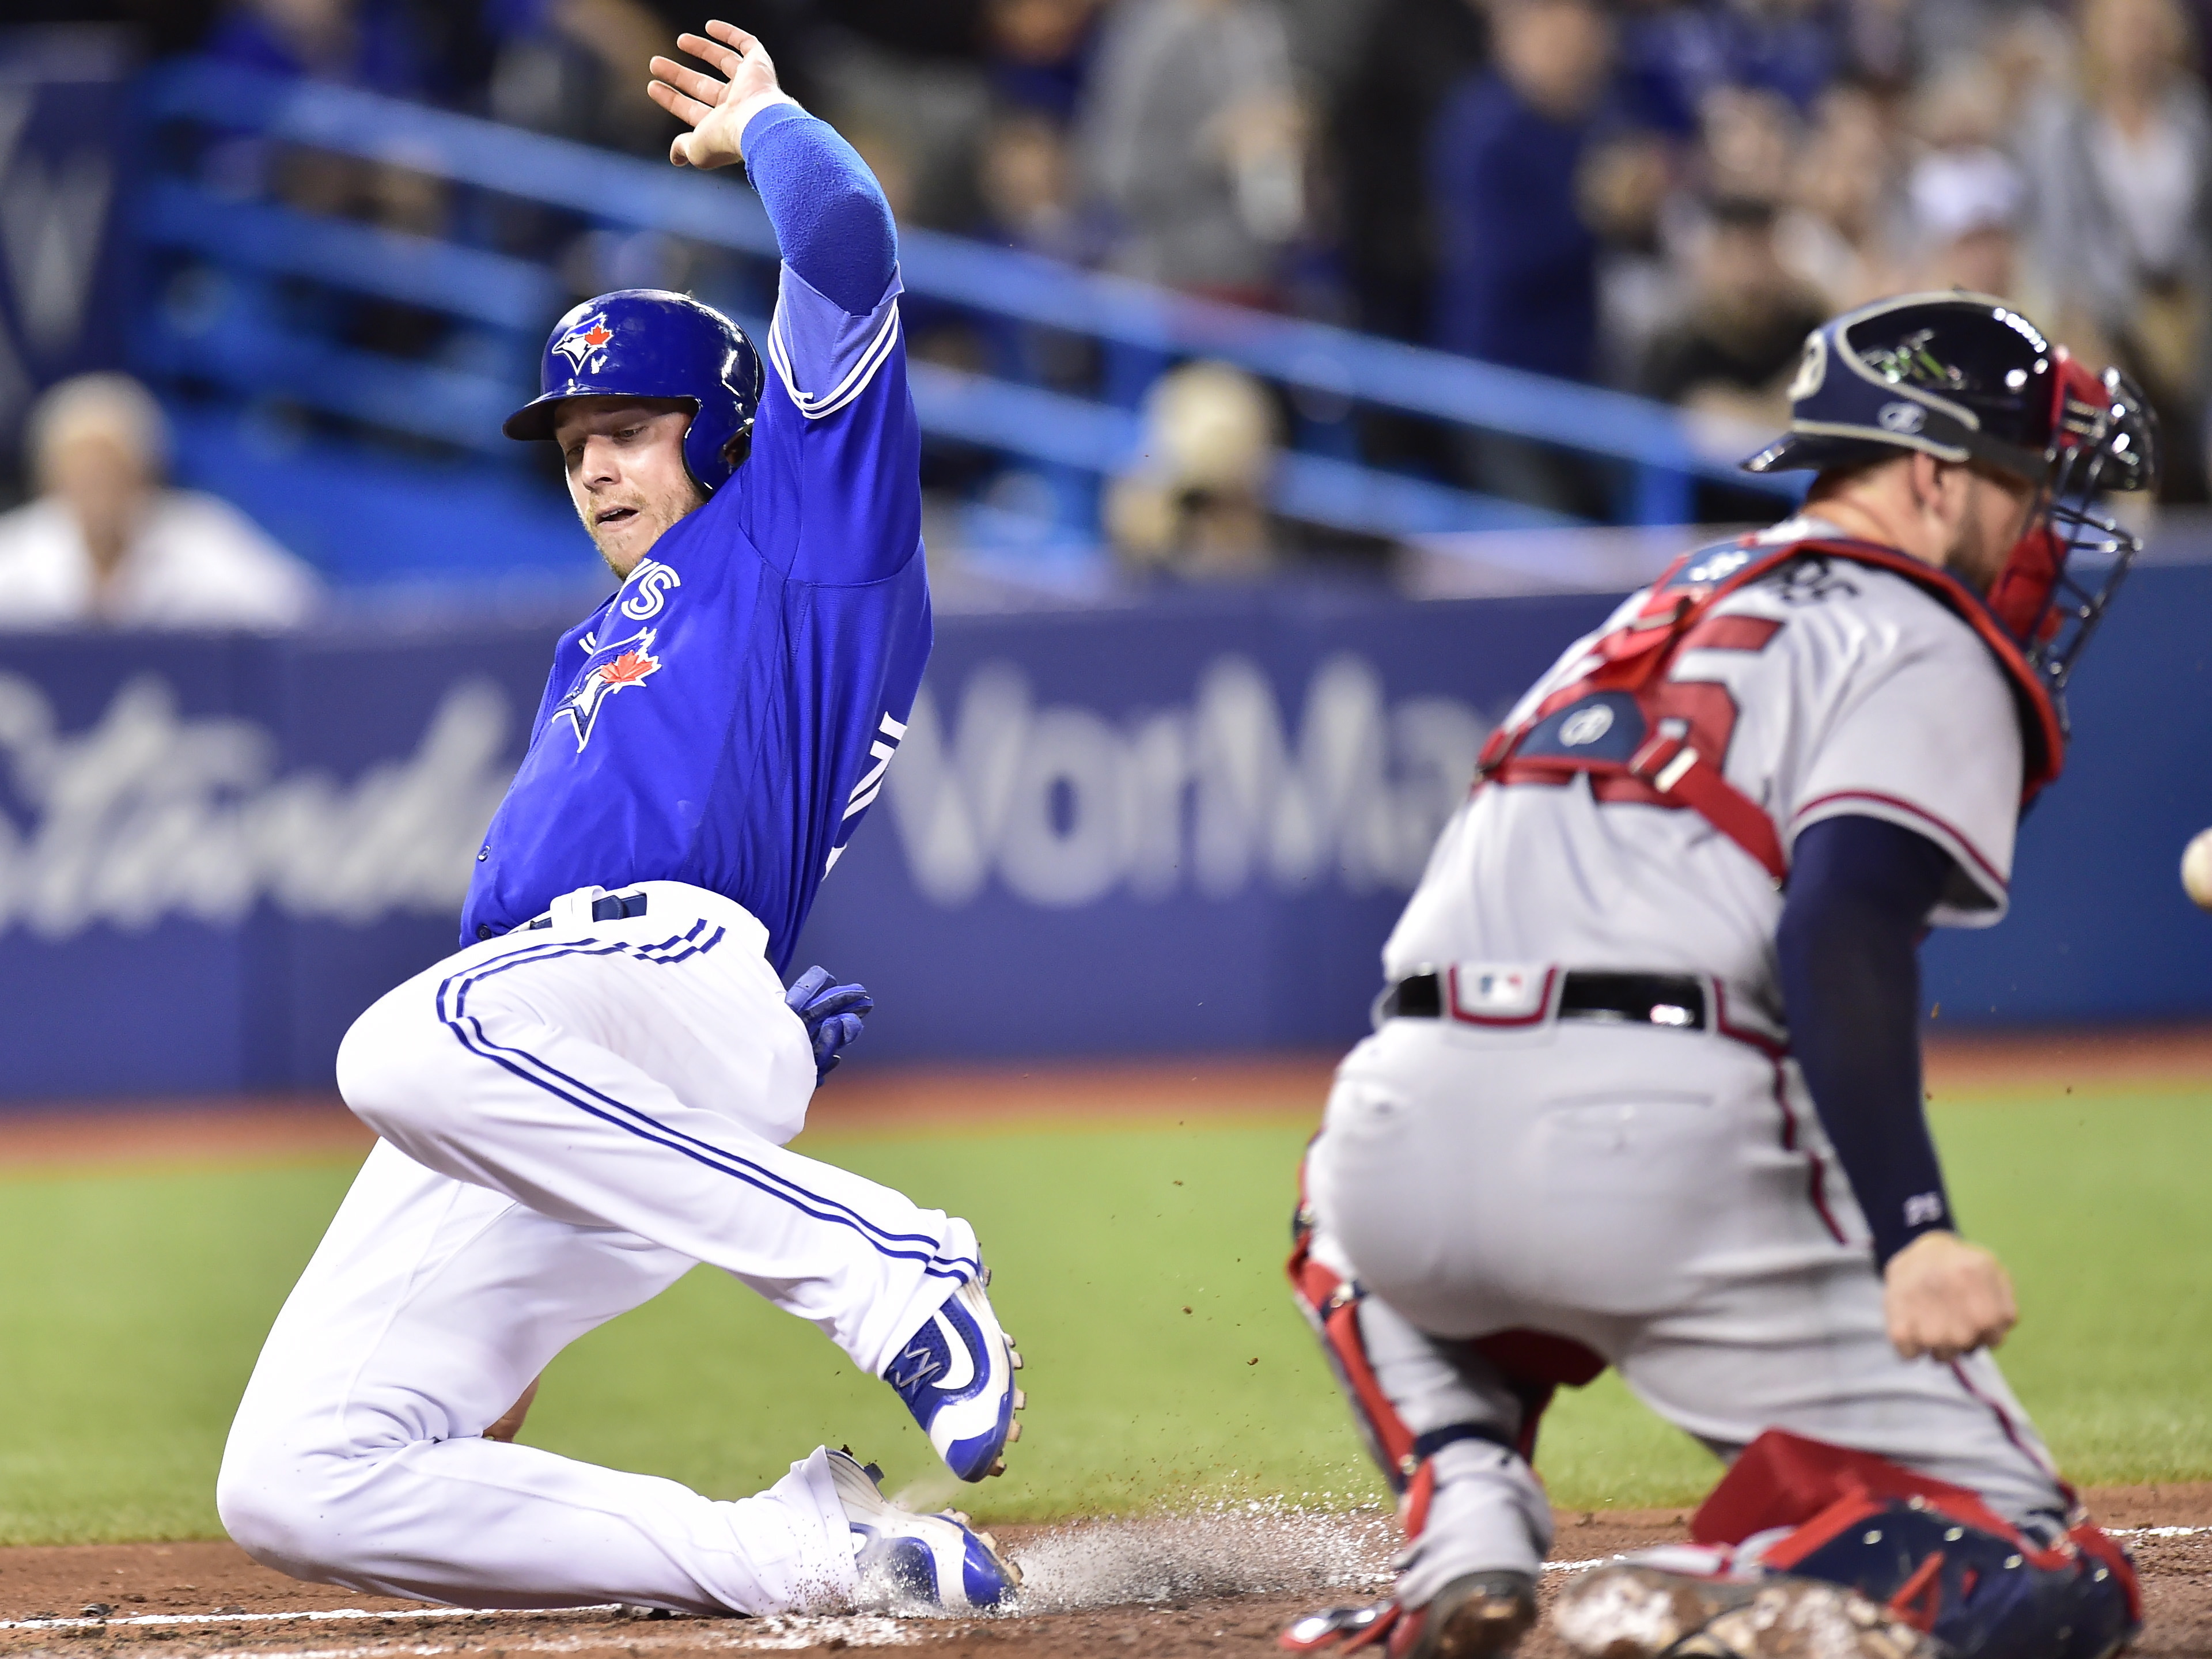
(1964, 378)
(648, 343)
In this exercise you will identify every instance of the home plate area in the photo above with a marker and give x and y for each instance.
(1221, 1581)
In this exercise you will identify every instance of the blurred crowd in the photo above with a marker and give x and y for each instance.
(1658, 195)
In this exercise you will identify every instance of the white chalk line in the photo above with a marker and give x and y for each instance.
(821, 1627)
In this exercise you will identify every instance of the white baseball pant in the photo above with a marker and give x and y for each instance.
(572, 1116)
(1665, 1198)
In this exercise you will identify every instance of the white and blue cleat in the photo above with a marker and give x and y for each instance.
(956, 1376)
(917, 1563)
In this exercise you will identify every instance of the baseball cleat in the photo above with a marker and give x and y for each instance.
(1473, 1617)
(956, 1376)
(1633, 1612)
(908, 1562)
(1340, 1630)
(1476, 1616)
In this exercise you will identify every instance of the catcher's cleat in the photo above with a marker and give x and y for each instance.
(1340, 1630)
(1633, 1612)
(1473, 1617)
(908, 1562)
(956, 1376)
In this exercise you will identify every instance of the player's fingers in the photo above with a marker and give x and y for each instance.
(689, 111)
(699, 46)
(1904, 1337)
(690, 81)
(733, 35)
(679, 151)
(730, 55)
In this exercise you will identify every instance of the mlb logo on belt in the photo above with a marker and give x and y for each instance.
(1499, 993)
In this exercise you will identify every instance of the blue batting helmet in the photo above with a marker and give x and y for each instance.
(648, 343)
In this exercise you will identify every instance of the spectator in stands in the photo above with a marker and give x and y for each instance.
(1037, 52)
(1518, 276)
(1736, 349)
(104, 541)
(1197, 507)
(1965, 194)
(1192, 133)
(1628, 194)
(1410, 57)
(569, 67)
(375, 44)
(2121, 164)
(1893, 44)
(1835, 236)
(1750, 144)
(1677, 53)
(1025, 179)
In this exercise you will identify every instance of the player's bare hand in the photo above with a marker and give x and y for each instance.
(714, 106)
(1943, 1297)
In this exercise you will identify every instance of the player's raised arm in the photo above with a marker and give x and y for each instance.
(836, 414)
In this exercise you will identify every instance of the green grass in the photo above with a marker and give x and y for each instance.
(134, 1302)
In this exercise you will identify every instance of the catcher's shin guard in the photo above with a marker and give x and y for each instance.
(1330, 1302)
(1931, 1555)
(1476, 1617)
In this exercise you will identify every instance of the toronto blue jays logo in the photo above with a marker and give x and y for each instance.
(609, 669)
(589, 338)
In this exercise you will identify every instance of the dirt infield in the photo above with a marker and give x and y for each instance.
(1222, 1583)
(1061, 1093)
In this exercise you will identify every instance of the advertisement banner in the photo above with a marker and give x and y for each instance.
(1182, 827)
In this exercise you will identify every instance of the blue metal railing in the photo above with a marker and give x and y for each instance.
(518, 295)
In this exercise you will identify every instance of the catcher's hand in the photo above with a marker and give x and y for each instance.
(1943, 1297)
(833, 1014)
(716, 110)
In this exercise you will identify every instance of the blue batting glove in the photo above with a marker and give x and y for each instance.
(833, 1014)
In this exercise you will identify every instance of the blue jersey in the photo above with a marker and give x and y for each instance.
(727, 717)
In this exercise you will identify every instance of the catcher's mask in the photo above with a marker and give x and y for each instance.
(1964, 378)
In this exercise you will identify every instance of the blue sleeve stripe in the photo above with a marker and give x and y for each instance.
(817, 406)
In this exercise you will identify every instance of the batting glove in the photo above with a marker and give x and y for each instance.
(833, 1014)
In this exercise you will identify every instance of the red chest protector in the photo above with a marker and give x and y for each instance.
(1642, 737)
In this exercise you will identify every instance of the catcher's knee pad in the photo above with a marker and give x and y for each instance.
(1933, 1554)
(1983, 1593)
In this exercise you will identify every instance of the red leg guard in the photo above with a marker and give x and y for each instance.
(1532, 1364)
(1331, 1305)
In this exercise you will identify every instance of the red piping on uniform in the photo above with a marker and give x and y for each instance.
(2012, 1433)
(1816, 1170)
(1946, 827)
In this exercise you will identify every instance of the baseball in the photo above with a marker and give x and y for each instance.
(2197, 869)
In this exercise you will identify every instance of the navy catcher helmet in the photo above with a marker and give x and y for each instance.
(1964, 378)
(648, 343)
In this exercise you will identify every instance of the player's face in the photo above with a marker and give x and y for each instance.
(1998, 506)
(624, 458)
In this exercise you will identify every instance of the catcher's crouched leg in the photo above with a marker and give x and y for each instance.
(1808, 1545)
(1445, 1430)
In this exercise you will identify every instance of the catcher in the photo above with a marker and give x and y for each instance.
(1644, 1085)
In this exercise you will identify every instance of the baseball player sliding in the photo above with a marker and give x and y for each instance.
(595, 1094)
(1644, 1085)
